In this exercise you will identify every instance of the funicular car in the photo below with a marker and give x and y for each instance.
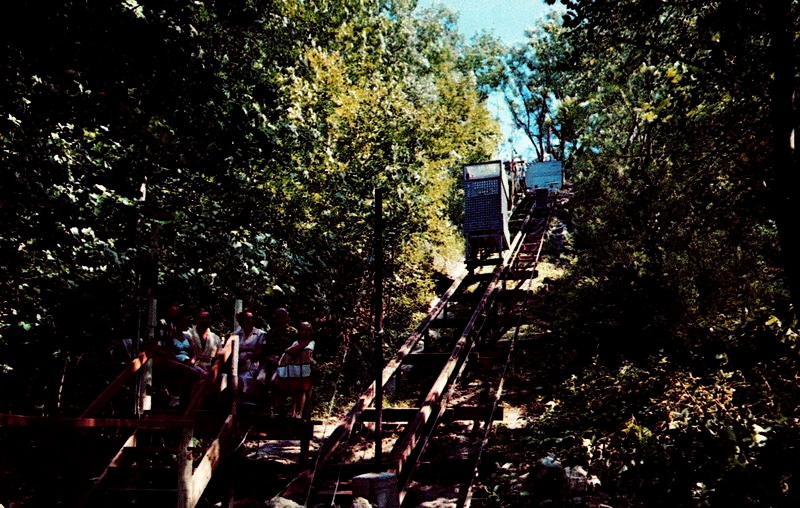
(544, 179)
(488, 199)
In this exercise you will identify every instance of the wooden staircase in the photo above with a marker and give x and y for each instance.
(162, 467)
(163, 457)
(171, 455)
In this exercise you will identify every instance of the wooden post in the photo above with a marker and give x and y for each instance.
(234, 381)
(185, 469)
(238, 305)
(305, 440)
(378, 325)
(150, 277)
(145, 402)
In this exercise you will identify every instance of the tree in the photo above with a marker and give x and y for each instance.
(721, 113)
(211, 151)
(533, 84)
(678, 278)
(782, 19)
(668, 166)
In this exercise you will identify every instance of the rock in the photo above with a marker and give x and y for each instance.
(548, 481)
(279, 502)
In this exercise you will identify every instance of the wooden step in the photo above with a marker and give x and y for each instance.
(428, 359)
(519, 274)
(339, 497)
(514, 295)
(480, 277)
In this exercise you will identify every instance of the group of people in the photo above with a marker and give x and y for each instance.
(189, 337)
(274, 363)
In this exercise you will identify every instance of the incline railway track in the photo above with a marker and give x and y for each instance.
(442, 390)
(460, 336)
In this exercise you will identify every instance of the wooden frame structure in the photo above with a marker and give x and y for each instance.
(191, 480)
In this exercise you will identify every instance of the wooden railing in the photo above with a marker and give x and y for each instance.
(115, 385)
(191, 481)
(218, 377)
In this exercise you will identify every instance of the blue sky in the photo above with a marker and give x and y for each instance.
(508, 20)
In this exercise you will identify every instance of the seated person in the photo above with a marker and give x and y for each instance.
(251, 345)
(294, 372)
(165, 327)
(180, 342)
(205, 343)
(179, 373)
(280, 336)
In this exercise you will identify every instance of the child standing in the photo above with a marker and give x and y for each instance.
(294, 371)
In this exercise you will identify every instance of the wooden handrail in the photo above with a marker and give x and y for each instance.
(210, 461)
(106, 395)
(204, 387)
(46, 422)
(191, 481)
(140, 361)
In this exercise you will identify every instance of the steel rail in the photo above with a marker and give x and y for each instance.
(411, 445)
(304, 480)
(465, 498)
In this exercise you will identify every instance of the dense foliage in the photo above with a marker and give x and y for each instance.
(672, 377)
(209, 151)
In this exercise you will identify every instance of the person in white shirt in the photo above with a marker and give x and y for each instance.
(251, 346)
(205, 343)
